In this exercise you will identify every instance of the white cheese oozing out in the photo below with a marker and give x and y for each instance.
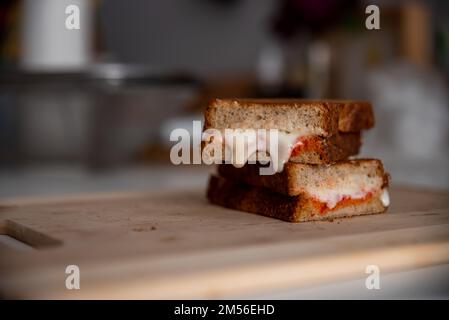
(332, 198)
(385, 197)
(281, 153)
(356, 186)
(242, 145)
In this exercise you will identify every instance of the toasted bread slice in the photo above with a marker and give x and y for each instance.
(300, 208)
(316, 180)
(322, 118)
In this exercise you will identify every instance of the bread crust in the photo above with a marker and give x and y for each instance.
(355, 116)
(329, 150)
(322, 117)
(298, 208)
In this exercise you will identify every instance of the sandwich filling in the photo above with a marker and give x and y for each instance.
(274, 146)
(344, 202)
(334, 192)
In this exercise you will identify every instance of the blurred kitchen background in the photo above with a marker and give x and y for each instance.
(91, 109)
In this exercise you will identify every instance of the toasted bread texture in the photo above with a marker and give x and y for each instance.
(300, 208)
(296, 178)
(323, 117)
(319, 150)
(314, 150)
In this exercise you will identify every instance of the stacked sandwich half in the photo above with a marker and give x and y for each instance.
(312, 178)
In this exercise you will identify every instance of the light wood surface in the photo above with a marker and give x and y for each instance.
(173, 244)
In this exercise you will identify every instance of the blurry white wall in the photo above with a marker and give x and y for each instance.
(412, 133)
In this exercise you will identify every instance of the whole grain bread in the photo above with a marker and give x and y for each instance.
(323, 117)
(297, 178)
(300, 208)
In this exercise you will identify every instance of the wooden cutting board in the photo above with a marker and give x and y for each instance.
(173, 244)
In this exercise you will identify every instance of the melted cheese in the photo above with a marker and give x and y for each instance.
(332, 197)
(243, 145)
(331, 200)
(385, 197)
(286, 143)
(351, 186)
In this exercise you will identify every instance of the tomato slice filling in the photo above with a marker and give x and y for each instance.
(347, 201)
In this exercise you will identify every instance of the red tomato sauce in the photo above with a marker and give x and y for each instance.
(304, 144)
(345, 202)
